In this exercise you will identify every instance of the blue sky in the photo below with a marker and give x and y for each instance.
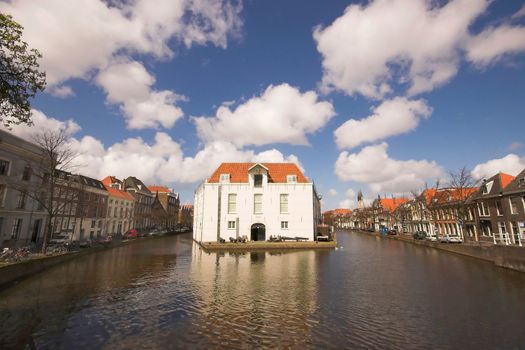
(379, 95)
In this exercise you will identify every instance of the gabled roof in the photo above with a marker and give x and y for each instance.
(449, 195)
(159, 189)
(338, 212)
(115, 192)
(500, 182)
(277, 172)
(514, 185)
(428, 194)
(135, 183)
(392, 203)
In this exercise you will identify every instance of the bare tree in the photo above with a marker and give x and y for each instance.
(56, 188)
(461, 185)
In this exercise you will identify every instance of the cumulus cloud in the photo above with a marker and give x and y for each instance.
(494, 43)
(511, 164)
(82, 39)
(419, 44)
(42, 123)
(392, 117)
(128, 84)
(67, 32)
(373, 166)
(332, 192)
(163, 160)
(347, 203)
(282, 114)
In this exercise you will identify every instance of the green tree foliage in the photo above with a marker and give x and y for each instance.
(20, 78)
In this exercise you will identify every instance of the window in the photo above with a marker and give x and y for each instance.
(483, 209)
(100, 224)
(284, 203)
(26, 175)
(92, 223)
(224, 178)
(502, 227)
(257, 203)
(513, 206)
(21, 201)
(17, 225)
(4, 167)
(284, 225)
(498, 208)
(231, 225)
(487, 187)
(521, 182)
(3, 190)
(232, 203)
(257, 180)
(291, 179)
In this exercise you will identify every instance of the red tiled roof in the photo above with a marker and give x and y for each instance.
(456, 194)
(115, 192)
(276, 172)
(428, 194)
(505, 179)
(108, 180)
(392, 203)
(160, 189)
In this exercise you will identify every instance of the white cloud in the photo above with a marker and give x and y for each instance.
(332, 192)
(62, 91)
(282, 114)
(494, 43)
(347, 203)
(128, 84)
(373, 166)
(394, 41)
(511, 164)
(392, 117)
(77, 37)
(350, 193)
(42, 123)
(417, 44)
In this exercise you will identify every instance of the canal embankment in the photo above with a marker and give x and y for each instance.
(262, 246)
(509, 257)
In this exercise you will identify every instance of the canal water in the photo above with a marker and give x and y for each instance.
(370, 293)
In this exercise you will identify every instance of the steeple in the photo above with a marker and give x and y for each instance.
(360, 203)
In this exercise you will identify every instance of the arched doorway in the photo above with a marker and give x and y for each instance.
(258, 232)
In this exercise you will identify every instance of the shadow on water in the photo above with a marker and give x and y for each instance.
(167, 292)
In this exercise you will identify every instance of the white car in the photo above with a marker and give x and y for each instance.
(431, 238)
(450, 239)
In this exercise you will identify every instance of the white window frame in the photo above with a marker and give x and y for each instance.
(257, 204)
(224, 178)
(255, 182)
(283, 203)
(284, 225)
(513, 210)
(232, 203)
(3, 194)
(232, 225)
(17, 228)
(291, 179)
(499, 208)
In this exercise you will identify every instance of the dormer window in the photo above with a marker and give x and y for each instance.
(224, 178)
(521, 182)
(292, 179)
(257, 180)
(487, 187)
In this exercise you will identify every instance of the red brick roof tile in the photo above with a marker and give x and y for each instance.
(277, 172)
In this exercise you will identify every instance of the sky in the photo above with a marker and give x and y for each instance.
(382, 96)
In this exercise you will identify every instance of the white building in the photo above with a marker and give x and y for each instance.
(257, 200)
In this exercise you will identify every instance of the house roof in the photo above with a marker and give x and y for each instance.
(447, 195)
(499, 182)
(392, 203)
(115, 192)
(277, 172)
(160, 189)
(514, 185)
(428, 194)
(505, 179)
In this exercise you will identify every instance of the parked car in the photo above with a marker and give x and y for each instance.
(450, 239)
(130, 234)
(85, 244)
(431, 238)
(420, 235)
(105, 240)
(60, 239)
(392, 232)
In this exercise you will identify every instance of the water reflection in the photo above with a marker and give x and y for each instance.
(256, 298)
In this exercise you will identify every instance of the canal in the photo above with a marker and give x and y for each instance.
(371, 293)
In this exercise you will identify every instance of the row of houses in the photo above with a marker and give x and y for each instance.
(32, 201)
(494, 212)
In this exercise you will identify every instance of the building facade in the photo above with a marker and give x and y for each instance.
(143, 203)
(165, 208)
(186, 216)
(257, 200)
(22, 219)
(120, 207)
